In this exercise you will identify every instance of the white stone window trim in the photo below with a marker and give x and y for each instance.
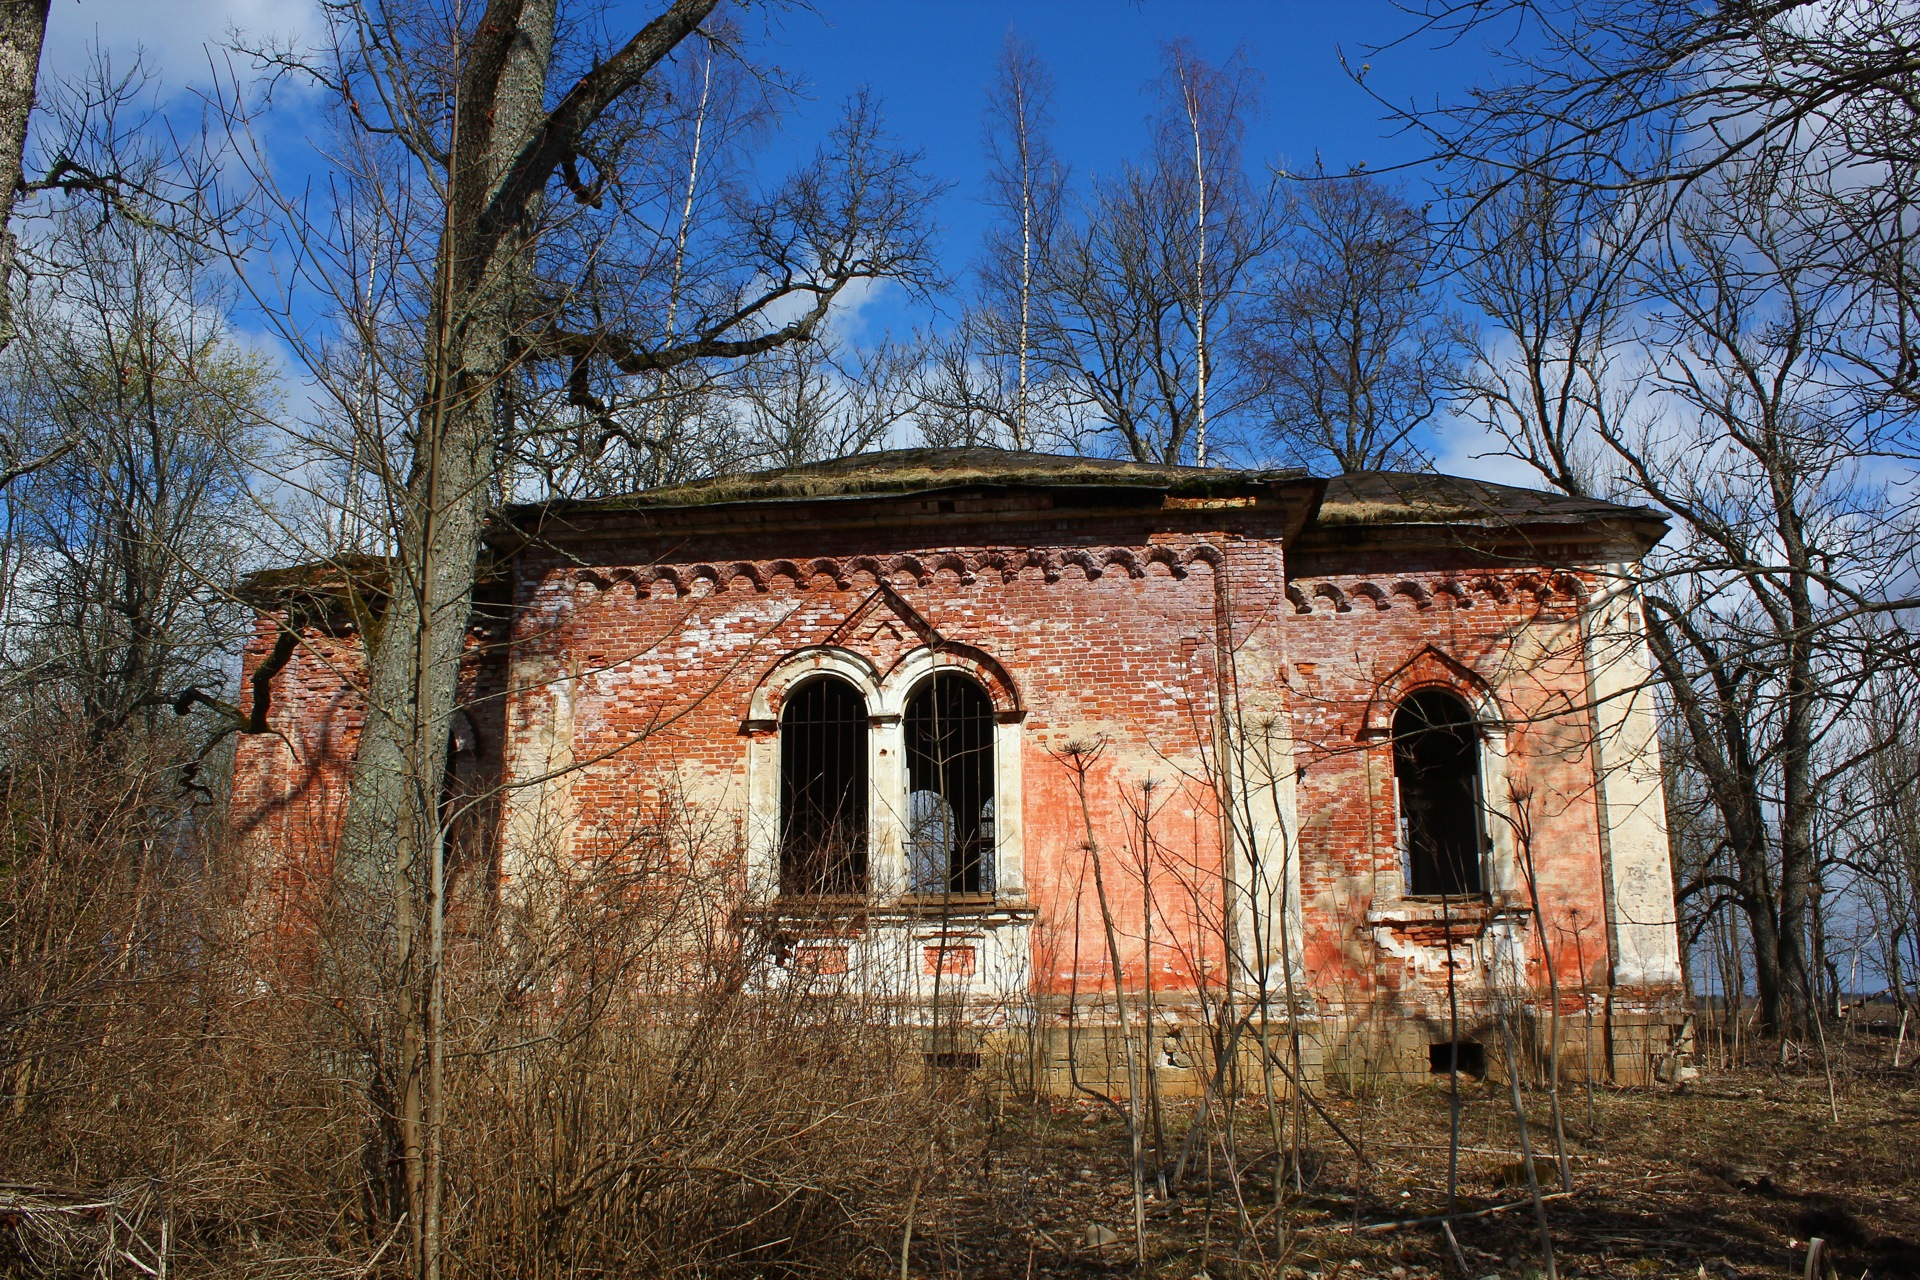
(886, 696)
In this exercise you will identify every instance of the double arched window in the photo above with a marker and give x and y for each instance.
(1436, 772)
(944, 802)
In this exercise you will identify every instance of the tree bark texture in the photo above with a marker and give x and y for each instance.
(506, 148)
(23, 27)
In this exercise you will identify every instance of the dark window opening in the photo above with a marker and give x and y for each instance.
(954, 1060)
(1436, 772)
(823, 789)
(950, 787)
(462, 788)
(1470, 1058)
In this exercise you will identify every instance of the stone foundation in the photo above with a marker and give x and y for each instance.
(1088, 1055)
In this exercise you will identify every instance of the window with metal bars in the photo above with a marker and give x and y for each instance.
(1436, 773)
(823, 789)
(950, 827)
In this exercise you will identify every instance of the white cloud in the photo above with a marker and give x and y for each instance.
(860, 316)
(175, 34)
(1466, 448)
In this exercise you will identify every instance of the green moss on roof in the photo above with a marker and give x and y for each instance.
(901, 471)
(316, 579)
(1408, 497)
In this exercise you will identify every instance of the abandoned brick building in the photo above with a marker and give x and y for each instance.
(1338, 736)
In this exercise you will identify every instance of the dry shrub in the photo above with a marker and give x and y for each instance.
(144, 1058)
(634, 1084)
(641, 1088)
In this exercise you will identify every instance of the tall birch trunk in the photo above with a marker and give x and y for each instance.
(1199, 284)
(1025, 144)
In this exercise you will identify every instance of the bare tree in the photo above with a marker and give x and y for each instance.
(1554, 369)
(1882, 836)
(1704, 253)
(517, 286)
(1752, 637)
(1204, 120)
(1025, 186)
(1723, 395)
(1355, 349)
(1653, 96)
(1130, 311)
(502, 214)
(808, 403)
(96, 149)
(114, 604)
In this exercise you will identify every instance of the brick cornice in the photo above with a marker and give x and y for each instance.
(1465, 591)
(845, 573)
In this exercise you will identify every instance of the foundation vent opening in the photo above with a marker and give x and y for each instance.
(1471, 1057)
(954, 1060)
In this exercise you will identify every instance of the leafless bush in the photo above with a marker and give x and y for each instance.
(642, 1087)
(144, 1056)
(636, 1084)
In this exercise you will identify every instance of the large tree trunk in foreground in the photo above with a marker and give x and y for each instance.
(503, 149)
(23, 26)
(506, 148)
(391, 832)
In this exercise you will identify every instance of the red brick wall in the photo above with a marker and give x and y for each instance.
(1367, 630)
(290, 784)
(1110, 631)
(659, 664)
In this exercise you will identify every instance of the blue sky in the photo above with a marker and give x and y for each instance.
(930, 62)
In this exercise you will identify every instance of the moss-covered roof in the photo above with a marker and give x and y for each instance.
(1355, 500)
(333, 578)
(1350, 502)
(902, 471)
(1413, 497)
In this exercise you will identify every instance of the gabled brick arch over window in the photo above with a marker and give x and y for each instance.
(1430, 667)
(1477, 711)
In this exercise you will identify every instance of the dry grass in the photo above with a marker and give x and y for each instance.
(624, 1097)
(1732, 1172)
(627, 1097)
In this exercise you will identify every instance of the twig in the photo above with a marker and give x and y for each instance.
(1459, 1257)
(1438, 1218)
(913, 1202)
(1526, 1148)
(1319, 1110)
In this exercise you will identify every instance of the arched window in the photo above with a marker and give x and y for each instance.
(1436, 774)
(823, 789)
(950, 834)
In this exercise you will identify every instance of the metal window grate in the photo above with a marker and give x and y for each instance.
(1436, 766)
(950, 800)
(823, 789)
